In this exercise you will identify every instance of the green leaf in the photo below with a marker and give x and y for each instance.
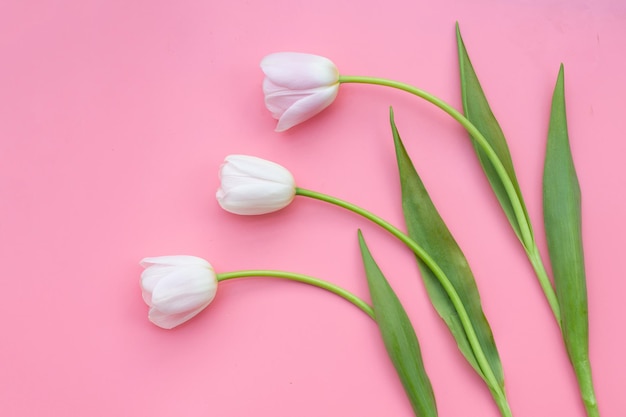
(399, 337)
(478, 112)
(562, 219)
(426, 227)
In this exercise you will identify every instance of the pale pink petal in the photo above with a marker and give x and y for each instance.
(184, 289)
(299, 71)
(246, 167)
(307, 108)
(169, 321)
(251, 199)
(173, 260)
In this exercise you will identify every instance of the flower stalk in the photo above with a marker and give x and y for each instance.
(487, 373)
(526, 233)
(305, 279)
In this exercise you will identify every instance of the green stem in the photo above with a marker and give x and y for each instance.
(540, 270)
(325, 285)
(583, 374)
(490, 378)
(527, 237)
(502, 403)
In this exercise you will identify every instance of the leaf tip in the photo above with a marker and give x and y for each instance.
(560, 79)
(459, 39)
(394, 131)
(362, 244)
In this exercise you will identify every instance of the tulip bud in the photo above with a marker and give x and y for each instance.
(176, 288)
(297, 86)
(251, 185)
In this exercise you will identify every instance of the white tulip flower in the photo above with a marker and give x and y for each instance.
(297, 86)
(251, 185)
(176, 288)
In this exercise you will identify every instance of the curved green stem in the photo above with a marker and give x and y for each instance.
(583, 374)
(443, 280)
(325, 285)
(527, 236)
(525, 228)
(540, 270)
(502, 403)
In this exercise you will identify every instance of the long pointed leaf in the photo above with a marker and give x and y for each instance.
(562, 219)
(478, 111)
(399, 337)
(426, 227)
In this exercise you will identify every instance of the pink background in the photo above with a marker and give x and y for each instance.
(115, 116)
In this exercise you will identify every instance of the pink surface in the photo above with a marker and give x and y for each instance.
(115, 116)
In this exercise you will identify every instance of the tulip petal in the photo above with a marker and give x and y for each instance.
(173, 260)
(184, 289)
(169, 321)
(254, 199)
(299, 71)
(150, 277)
(307, 107)
(278, 99)
(258, 186)
(245, 168)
